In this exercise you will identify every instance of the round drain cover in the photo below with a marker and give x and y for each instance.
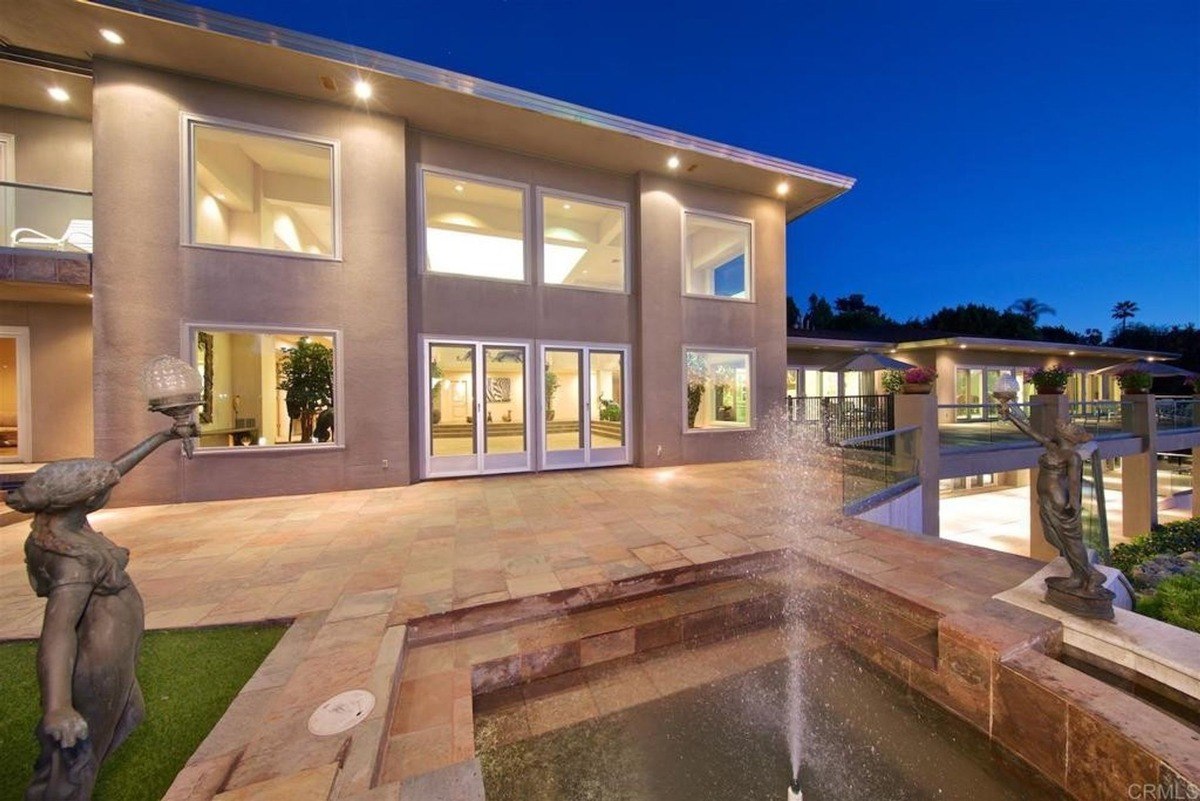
(342, 712)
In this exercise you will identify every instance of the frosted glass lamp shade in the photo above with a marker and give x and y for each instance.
(1005, 388)
(169, 383)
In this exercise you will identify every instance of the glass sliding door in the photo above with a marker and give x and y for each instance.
(584, 406)
(476, 408)
(606, 422)
(15, 408)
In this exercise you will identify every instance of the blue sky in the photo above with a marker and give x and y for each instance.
(1003, 149)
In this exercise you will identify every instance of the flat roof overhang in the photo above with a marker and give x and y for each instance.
(195, 41)
(980, 343)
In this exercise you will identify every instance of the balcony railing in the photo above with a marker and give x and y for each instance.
(45, 218)
(845, 417)
(976, 425)
(877, 467)
(1176, 413)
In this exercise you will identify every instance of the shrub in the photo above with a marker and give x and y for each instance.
(1176, 601)
(1175, 538)
(1050, 379)
(1133, 380)
(892, 380)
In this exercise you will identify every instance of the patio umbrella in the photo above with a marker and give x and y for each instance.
(1156, 369)
(866, 363)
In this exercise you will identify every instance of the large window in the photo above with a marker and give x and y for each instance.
(717, 257)
(583, 243)
(266, 389)
(717, 391)
(474, 228)
(262, 191)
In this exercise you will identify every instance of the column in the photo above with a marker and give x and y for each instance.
(921, 410)
(1139, 474)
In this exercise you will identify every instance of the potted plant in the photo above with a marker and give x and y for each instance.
(697, 373)
(1192, 384)
(610, 410)
(306, 375)
(1134, 381)
(918, 380)
(551, 388)
(892, 381)
(1050, 380)
(435, 405)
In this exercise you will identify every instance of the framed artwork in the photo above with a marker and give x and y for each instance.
(499, 389)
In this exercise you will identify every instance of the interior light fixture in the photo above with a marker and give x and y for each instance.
(673, 163)
(58, 93)
(781, 188)
(363, 90)
(111, 36)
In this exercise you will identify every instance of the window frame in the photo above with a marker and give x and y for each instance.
(188, 335)
(751, 295)
(752, 353)
(526, 223)
(540, 193)
(187, 170)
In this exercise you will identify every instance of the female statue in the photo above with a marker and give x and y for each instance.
(93, 623)
(1060, 504)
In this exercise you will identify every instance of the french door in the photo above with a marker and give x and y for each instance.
(584, 405)
(15, 400)
(476, 407)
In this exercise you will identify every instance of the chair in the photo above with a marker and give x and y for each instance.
(78, 235)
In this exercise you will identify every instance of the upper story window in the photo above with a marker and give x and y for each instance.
(474, 228)
(583, 243)
(717, 259)
(262, 190)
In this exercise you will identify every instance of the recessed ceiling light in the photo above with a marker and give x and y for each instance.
(58, 93)
(673, 163)
(781, 188)
(362, 90)
(220, 195)
(459, 187)
(962, 347)
(567, 206)
(1070, 353)
(111, 36)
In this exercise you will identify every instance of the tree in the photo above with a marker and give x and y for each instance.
(1031, 308)
(820, 313)
(1093, 336)
(976, 319)
(1124, 311)
(793, 313)
(306, 375)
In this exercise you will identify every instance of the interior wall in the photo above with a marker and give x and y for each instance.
(147, 287)
(669, 321)
(60, 356)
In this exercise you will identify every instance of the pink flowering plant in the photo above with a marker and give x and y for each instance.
(919, 375)
(1050, 379)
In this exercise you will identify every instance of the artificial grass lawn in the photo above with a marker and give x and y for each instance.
(189, 678)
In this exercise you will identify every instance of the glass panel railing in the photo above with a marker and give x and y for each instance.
(1101, 419)
(876, 464)
(44, 218)
(1176, 413)
(976, 425)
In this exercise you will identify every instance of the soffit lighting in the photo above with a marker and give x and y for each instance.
(58, 93)
(111, 36)
(1070, 353)
(566, 207)
(673, 163)
(962, 347)
(459, 188)
(781, 188)
(363, 90)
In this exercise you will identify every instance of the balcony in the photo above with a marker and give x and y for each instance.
(45, 235)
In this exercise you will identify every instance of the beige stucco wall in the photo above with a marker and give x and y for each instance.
(50, 150)
(146, 284)
(668, 321)
(60, 369)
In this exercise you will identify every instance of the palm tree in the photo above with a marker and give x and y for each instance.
(1030, 308)
(1123, 311)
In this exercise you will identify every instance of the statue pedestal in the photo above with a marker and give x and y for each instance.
(1095, 603)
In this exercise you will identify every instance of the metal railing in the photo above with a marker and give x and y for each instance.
(877, 467)
(845, 417)
(45, 218)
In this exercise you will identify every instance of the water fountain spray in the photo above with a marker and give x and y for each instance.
(793, 792)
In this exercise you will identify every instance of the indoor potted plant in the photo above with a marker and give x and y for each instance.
(918, 380)
(1050, 380)
(306, 375)
(551, 389)
(1135, 382)
(697, 375)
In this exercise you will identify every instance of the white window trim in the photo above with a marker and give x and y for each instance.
(540, 235)
(24, 393)
(187, 177)
(683, 259)
(526, 223)
(751, 410)
(188, 349)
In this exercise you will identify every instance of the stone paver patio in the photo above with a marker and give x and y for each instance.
(437, 546)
